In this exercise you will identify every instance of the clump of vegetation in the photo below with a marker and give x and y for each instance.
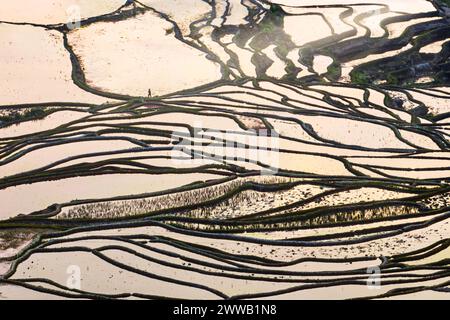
(14, 238)
(437, 201)
(127, 208)
(392, 79)
(267, 27)
(10, 116)
(273, 20)
(299, 222)
(359, 77)
(248, 202)
(282, 50)
(276, 9)
(334, 71)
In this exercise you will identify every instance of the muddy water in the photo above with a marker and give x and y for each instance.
(55, 11)
(153, 58)
(49, 122)
(98, 276)
(410, 6)
(36, 68)
(37, 196)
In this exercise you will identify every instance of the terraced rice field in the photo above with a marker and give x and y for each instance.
(225, 149)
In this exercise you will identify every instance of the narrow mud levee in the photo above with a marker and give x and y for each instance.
(225, 149)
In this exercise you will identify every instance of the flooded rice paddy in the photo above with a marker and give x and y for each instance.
(225, 149)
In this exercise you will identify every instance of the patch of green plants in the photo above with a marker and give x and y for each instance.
(267, 27)
(391, 79)
(334, 71)
(359, 77)
(276, 9)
